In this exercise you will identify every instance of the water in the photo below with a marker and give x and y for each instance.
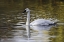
(11, 14)
(20, 35)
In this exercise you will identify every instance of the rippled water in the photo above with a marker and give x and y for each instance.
(20, 35)
(11, 14)
(17, 33)
(14, 32)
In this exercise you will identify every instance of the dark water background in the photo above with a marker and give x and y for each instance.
(11, 13)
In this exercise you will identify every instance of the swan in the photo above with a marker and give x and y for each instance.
(38, 21)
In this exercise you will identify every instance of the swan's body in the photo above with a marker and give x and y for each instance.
(42, 22)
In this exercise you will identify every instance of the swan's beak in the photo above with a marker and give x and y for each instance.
(24, 11)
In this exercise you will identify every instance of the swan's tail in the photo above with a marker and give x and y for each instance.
(55, 21)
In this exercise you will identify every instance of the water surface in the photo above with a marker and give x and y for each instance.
(11, 13)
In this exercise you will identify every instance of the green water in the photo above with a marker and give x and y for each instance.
(11, 9)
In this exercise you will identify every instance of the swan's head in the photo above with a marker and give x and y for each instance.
(26, 10)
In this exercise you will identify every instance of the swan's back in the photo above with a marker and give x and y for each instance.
(42, 22)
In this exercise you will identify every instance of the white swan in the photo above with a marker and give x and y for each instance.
(38, 21)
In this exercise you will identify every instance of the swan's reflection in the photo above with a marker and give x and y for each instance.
(40, 34)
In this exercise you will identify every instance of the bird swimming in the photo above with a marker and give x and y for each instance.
(38, 21)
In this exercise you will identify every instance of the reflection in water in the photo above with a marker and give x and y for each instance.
(10, 13)
(40, 35)
(43, 32)
(28, 30)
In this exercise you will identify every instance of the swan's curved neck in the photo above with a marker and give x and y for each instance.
(28, 18)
